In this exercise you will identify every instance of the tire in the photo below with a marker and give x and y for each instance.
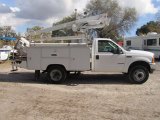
(56, 74)
(37, 74)
(138, 75)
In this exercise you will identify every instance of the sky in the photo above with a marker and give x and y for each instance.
(22, 14)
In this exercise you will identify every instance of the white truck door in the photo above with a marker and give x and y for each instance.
(107, 59)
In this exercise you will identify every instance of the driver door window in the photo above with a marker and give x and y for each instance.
(106, 46)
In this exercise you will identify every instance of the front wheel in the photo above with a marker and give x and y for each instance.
(56, 75)
(138, 74)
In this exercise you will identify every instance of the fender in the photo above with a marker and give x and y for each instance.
(135, 59)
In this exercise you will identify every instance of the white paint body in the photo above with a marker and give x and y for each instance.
(79, 57)
(75, 57)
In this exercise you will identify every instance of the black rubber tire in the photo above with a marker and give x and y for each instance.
(138, 72)
(37, 74)
(56, 74)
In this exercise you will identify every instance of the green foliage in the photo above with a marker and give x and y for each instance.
(36, 28)
(151, 26)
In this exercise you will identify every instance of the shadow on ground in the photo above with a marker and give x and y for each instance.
(73, 80)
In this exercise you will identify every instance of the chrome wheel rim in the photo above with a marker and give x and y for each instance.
(56, 75)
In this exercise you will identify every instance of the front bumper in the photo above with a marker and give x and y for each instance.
(152, 67)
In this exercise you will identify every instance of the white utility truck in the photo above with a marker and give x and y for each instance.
(149, 42)
(104, 55)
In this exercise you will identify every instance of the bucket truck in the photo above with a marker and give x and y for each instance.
(59, 59)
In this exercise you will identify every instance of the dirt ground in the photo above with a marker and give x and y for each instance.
(88, 97)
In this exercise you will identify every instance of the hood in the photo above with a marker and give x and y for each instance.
(140, 52)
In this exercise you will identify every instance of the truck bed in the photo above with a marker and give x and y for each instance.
(73, 56)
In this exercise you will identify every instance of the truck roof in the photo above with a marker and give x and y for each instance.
(102, 39)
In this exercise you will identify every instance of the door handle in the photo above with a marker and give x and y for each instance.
(129, 56)
(53, 54)
(97, 57)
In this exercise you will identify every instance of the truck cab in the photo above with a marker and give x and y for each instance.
(108, 56)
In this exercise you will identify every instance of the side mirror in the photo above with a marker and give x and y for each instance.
(118, 51)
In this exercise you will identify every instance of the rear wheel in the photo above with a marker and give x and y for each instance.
(138, 74)
(56, 74)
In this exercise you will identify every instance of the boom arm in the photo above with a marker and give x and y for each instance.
(98, 21)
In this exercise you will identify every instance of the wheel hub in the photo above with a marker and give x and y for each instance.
(55, 75)
(139, 75)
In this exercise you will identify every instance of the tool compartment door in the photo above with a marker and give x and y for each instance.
(80, 58)
(33, 58)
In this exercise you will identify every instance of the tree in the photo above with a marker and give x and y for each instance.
(7, 31)
(36, 28)
(158, 17)
(122, 19)
(151, 26)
